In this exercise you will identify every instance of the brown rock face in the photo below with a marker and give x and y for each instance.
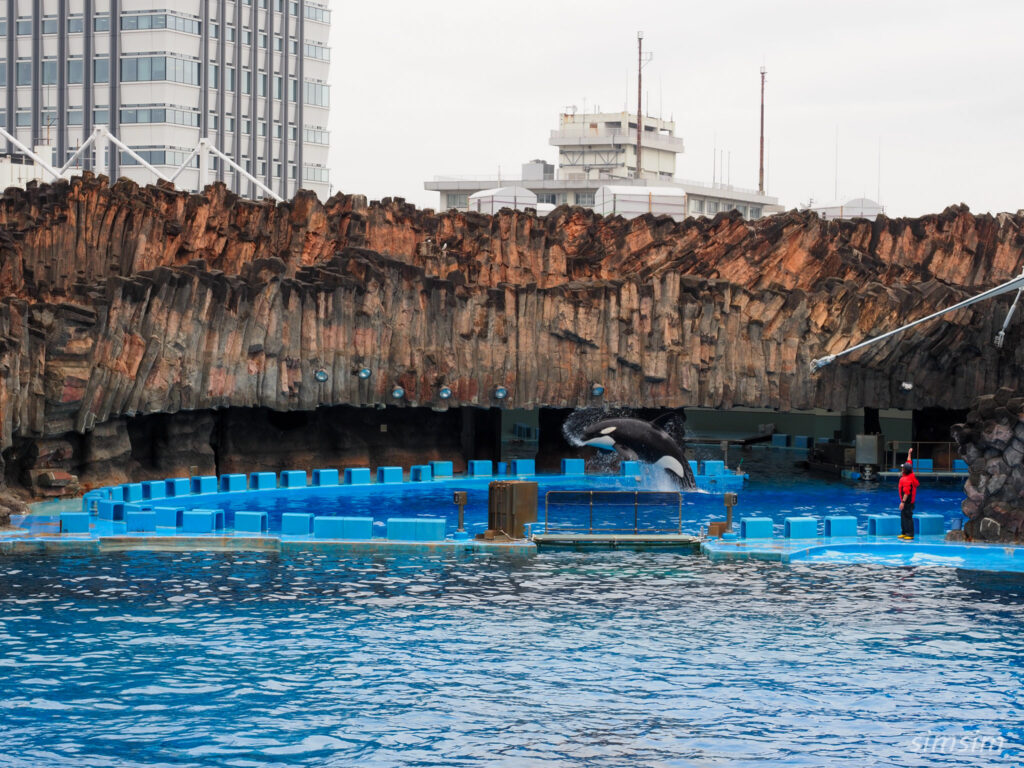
(991, 441)
(124, 301)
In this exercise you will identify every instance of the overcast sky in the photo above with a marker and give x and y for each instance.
(933, 89)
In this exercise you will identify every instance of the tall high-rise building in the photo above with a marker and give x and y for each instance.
(249, 75)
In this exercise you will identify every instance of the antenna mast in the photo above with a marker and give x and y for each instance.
(639, 107)
(760, 178)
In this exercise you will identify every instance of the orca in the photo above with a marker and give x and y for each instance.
(639, 440)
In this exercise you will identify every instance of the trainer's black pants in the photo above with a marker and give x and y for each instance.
(907, 519)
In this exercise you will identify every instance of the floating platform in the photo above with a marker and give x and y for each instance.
(635, 541)
(893, 474)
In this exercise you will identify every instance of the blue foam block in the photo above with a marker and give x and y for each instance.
(714, 468)
(293, 478)
(262, 481)
(204, 484)
(420, 473)
(629, 468)
(177, 486)
(116, 492)
(800, 528)
(328, 527)
(883, 525)
(501, 468)
(202, 520)
(358, 476)
(91, 499)
(756, 528)
(693, 467)
(780, 441)
(802, 441)
(107, 509)
(140, 520)
(959, 465)
(416, 528)
(524, 467)
(168, 517)
(322, 478)
(929, 525)
(247, 521)
(573, 467)
(132, 491)
(479, 468)
(154, 489)
(840, 525)
(296, 524)
(442, 468)
(389, 474)
(74, 522)
(924, 465)
(232, 483)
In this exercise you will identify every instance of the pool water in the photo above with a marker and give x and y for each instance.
(776, 489)
(601, 659)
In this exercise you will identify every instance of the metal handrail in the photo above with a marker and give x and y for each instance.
(637, 497)
(896, 450)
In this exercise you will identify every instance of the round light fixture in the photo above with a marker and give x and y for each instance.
(906, 386)
(500, 393)
(321, 376)
(596, 390)
(364, 373)
(445, 393)
(398, 393)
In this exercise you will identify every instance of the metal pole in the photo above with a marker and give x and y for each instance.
(591, 527)
(636, 512)
(760, 179)
(639, 101)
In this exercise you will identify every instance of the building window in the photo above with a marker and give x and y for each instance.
(546, 197)
(315, 136)
(293, 9)
(75, 70)
(3, 28)
(263, 40)
(101, 24)
(456, 200)
(278, 44)
(101, 71)
(23, 70)
(318, 14)
(76, 24)
(100, 116)
(75, 117)
(24, 118)
(293, 89)
(696, 205)
(314, 51)
(315, 173)
(293, 46)
(755, 212)
(231, 34)
(50, 26)
(585, 198)
(214, 31)
(24, 28)
(278, 82)
(49, 72)
(317, 94)
(3, 77)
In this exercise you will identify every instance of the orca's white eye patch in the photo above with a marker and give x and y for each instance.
(607, 430)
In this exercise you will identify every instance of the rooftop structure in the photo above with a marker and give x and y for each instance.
(857, 208)
(598, 150)
(249, 76)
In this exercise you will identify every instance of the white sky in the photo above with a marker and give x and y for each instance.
(467, 86)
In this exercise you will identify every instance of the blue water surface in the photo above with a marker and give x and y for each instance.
(601, 659)
(776, 489)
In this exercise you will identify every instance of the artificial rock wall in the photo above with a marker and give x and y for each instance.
(121, 301)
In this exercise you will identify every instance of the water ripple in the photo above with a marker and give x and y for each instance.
(563, 659)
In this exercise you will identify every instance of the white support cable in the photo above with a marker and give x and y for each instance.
(121, 145)
(25, 150)
(1001, 336)
(245, 173)
(1016, 284)
(181, 167)
(85, 145)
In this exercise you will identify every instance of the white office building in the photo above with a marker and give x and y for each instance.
(249, 75)
(599, 150)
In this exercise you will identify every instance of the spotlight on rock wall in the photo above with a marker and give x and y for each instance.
(364, 373)
(321, 376)
(398, 393)
(906, 386)
(596, 390)
(500, 393)
(445, 393)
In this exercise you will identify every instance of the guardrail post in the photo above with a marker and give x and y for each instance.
(636, 513)
(591, 528)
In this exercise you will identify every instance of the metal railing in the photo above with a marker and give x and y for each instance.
(940, 454)
(616, 508)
